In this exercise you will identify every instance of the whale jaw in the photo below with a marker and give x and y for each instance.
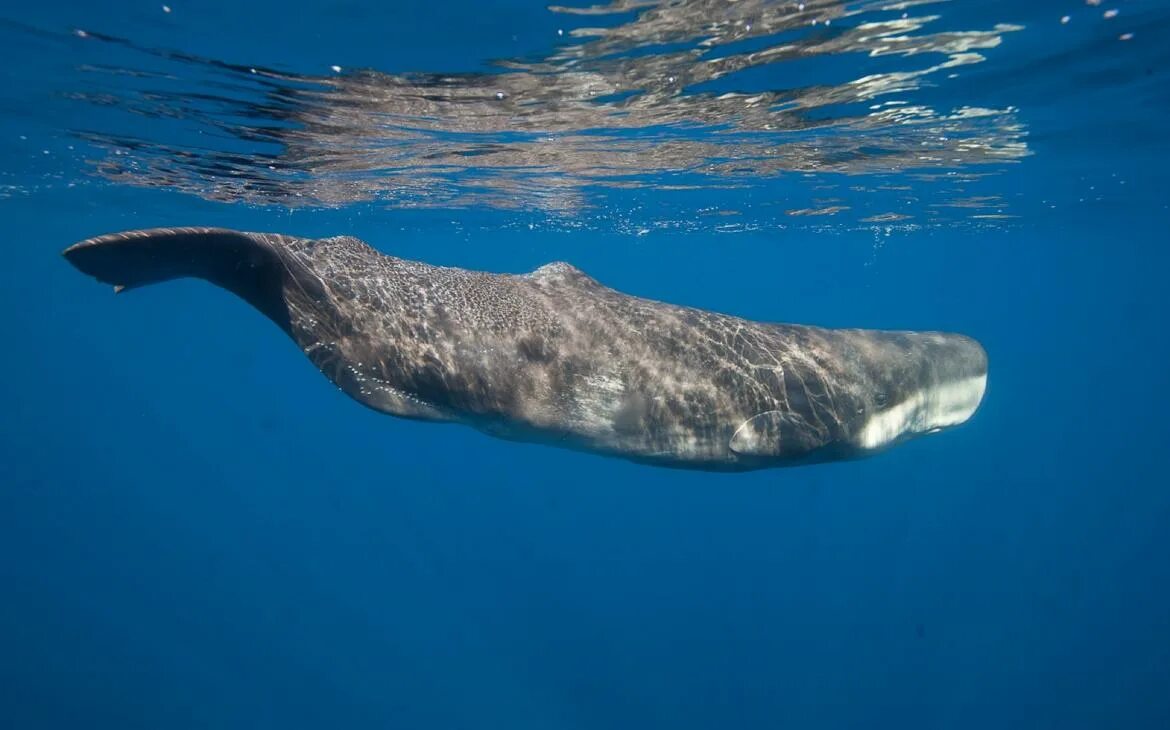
(928, 410)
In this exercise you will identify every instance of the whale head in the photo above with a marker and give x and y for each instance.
(914, 384)
(870, 390)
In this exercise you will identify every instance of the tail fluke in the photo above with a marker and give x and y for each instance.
(247, 264)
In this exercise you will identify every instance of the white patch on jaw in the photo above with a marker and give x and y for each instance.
(926, 411)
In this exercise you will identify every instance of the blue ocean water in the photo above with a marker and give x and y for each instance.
(197, 530)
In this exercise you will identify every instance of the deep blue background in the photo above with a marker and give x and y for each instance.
(196, 530)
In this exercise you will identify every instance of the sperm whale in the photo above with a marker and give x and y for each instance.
(553, 356)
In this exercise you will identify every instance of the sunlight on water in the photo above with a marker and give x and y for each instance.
(634, 116)
(663, 99)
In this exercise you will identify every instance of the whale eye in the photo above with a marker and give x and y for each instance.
(880, 399)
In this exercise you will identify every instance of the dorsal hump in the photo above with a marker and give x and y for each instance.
(560, 272)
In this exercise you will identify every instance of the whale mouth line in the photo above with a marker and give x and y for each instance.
(926, 411)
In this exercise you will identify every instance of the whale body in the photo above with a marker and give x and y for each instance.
(553, 356)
